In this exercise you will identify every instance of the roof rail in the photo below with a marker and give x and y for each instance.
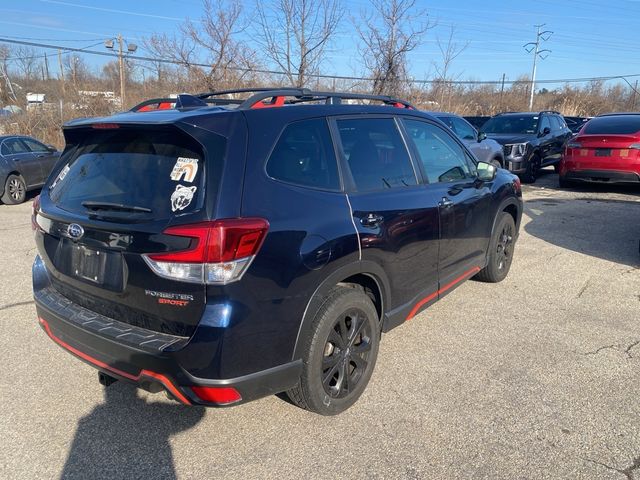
(550, 111)
(264, 98)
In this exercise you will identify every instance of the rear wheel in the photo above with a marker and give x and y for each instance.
(340, 353)
(564, 183)
(15, 190)
(500, 250)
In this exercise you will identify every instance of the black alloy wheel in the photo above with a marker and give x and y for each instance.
(346, 353)
(339, 352)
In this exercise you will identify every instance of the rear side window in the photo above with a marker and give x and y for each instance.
(442, 157)
(615, 124)
(161, 171)
(304, 156)
(376, 155)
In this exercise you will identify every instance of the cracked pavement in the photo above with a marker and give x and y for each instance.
(536, 377)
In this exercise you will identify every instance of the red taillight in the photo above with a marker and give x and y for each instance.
(220, 252)
(35, 208)
(218, 241)
(219, 395)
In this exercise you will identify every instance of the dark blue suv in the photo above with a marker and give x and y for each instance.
(225, 249)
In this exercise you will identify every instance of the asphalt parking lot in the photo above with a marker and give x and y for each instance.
(536, 377)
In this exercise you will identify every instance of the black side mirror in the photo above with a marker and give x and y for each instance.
(486, 171)
(545, 132)
(481, 136)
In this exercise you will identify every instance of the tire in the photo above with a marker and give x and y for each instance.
(532, 170)
(556, 167)
(340, 353)
(565, 183)
(500, 250)
(15, 190)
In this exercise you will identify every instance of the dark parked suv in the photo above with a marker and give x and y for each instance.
(531, 140)
(224, 250)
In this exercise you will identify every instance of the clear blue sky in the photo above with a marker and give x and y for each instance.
(591, 37)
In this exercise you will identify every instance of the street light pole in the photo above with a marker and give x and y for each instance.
(121, 65)
(535, 48)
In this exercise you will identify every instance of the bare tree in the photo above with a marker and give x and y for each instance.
(27, 61)
(449, 51)
(294, 34)
(387, 34)
(215, 35)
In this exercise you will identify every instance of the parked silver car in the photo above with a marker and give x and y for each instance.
(25, 164)
(484, 149)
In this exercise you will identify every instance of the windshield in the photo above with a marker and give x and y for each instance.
(139, 173)
(615, 124)
(519, 124)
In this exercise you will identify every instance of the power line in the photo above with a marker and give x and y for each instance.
(319, 76)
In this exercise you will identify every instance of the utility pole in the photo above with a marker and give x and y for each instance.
(535, 48)
(121, 66)
(61, 70)
(46, 65)
(502, 91)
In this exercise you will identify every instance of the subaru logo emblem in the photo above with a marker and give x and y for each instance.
(75, 231)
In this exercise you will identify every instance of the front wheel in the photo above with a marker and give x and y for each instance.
(15, 190)
(533, 165)
(500, 250)
(340, 353)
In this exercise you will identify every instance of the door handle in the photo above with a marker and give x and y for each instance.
(371, 220)
(445, 203)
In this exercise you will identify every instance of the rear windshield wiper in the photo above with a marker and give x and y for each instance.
(114, 206)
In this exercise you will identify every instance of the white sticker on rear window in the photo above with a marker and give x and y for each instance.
(60, 176)
(185, 167)
(182, 197)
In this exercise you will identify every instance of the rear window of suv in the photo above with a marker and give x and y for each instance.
(158, 172)
(622, 124)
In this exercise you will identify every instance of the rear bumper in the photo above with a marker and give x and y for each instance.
(601, 176)
(147, 359)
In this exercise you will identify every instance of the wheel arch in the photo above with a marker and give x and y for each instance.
(364, 274)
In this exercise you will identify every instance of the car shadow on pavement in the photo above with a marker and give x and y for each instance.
(599, 227)
(128, 437)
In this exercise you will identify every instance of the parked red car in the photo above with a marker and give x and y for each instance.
(606, 150)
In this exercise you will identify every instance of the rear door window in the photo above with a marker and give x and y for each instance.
(160, 172)
(375, 154)
(304, 156)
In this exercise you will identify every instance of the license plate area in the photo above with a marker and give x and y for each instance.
(102, 268)
(88, 263)
(603, 152)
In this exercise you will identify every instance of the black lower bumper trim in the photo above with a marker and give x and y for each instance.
(602, 176)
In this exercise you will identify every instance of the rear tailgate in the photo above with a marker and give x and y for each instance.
(115, 191)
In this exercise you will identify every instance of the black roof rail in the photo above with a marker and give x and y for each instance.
(264, 98)
(277, 98)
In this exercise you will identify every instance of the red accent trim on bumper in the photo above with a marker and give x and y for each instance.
(94, 361)
(430, 297)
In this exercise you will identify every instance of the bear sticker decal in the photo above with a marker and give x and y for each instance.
(182, 197)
